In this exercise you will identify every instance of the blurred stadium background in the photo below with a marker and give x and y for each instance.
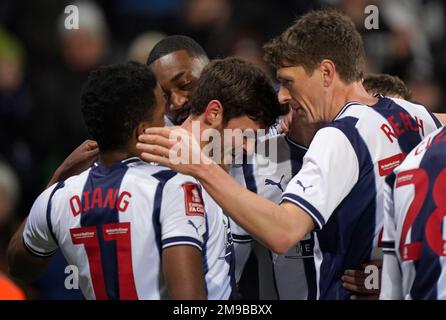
(43, 65)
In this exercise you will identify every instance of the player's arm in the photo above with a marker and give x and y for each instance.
(182, 239)
(79, 160)
(24, 265)
(183, 271)
(276, 226)
(33, 242)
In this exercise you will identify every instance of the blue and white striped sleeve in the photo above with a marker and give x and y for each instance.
(329, 172)
(37, 235)
(182, 216)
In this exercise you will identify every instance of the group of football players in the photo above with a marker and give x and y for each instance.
(356, 178)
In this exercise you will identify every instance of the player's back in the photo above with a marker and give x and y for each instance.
(417, 224)
(112, 223)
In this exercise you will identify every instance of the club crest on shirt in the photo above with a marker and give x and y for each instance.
(192, 200)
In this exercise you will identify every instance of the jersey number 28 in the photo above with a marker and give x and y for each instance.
(433, 229)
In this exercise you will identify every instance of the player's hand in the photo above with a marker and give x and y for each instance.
(173, 147)
(355, 280)
(79, 160)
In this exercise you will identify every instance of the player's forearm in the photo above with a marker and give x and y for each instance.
(266, 221)
(182, 267)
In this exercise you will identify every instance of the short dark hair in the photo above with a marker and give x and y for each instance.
(241, 87)
(319, 35)
(386, 84)
(176, 43)
(115, 100)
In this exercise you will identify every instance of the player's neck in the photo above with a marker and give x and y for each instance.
(303, 132)
(353, 92)
(107, 158)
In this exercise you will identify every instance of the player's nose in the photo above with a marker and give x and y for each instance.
(178, 101)
(283, 95)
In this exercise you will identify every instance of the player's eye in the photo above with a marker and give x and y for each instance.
(286, 82)
(185, 86)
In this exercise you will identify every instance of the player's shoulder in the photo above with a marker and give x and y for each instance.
(179, 186)
(368, 120)
(171, 178)
(356, 124)
(352, 117)
(406, 104)
(389, 107)
(78, 177)
(385, 106)
(352, 110)
(180, 179)
(139, 171)
(45, 195)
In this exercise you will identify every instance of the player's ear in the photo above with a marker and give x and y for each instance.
(213, 115)
(142, 126)
(328, 70)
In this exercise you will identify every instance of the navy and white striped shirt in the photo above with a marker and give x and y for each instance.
(288, 276)
(113, 223)
(341, 181)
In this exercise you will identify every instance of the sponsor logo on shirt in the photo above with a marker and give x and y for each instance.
(386, 166)
(269, 182)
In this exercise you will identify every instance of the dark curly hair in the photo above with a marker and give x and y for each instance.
(176, 43)
(115, 99)
(241, 87)
(319, 35)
